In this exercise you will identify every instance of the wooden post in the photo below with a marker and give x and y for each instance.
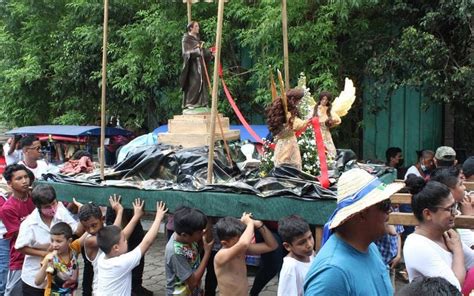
(229, 158)
(284, 23)
(318, 237)
(189, 4)
(215, 85)
(104, 84)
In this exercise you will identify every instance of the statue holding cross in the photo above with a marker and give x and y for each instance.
(193, 78)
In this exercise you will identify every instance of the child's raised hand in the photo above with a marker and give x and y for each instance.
(160, 210)
(207, 245)
(257, 224)
(138, 207)
(114, 201)
(76, 203)
(246, 218)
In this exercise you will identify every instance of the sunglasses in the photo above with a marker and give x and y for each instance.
(385, 206)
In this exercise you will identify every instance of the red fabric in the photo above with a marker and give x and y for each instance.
(236, 109)
(213, 49)
(324, 178)
(3, 164)
(272, 225)
(115, 142)
(75, 166)
(12, 214)
(468, 285)
(301, 131)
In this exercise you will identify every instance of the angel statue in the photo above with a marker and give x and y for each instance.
(283, 120)
(330, 113)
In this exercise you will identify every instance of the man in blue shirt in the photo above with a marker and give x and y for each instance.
(349, 263)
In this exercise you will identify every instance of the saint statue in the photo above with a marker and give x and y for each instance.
(193, 78)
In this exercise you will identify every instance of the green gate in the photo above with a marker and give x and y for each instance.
(406, 120)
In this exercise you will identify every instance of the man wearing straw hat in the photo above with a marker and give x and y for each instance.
(349, 263)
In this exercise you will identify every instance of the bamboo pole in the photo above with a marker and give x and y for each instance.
(104, 84)
(189, 4)
(284, 22)
(215, 85)
(229, 158)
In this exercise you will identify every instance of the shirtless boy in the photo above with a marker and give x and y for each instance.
(236, 236)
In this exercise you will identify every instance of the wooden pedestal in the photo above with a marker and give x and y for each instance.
(194, 130)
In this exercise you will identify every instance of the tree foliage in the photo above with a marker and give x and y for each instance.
(50, 58)
(433, 50)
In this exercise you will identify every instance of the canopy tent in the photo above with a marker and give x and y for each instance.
(68, 130)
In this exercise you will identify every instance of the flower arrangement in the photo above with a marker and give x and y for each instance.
(267, 160)
(307, 103)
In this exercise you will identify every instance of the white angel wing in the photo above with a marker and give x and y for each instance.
(346, 98)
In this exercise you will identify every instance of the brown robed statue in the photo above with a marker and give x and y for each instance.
(193, 77)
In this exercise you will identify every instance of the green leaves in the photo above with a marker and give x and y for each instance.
(50, 57)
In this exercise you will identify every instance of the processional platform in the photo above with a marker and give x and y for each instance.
(193, 130)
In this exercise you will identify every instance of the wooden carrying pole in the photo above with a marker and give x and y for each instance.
(229, 158)
(215, 85)
(284, 23)
(104, 84)
(284, 100)
(189, 4)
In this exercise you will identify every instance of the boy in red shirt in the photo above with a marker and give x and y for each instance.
(18, 206)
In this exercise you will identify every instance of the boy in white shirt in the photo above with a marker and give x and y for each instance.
(115, 267)
(34, 235)
(91, 218)
(299, 242)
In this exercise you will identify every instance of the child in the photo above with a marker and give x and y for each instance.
(60, 266)
(91, 218)
(18, 206)
(115, 268)
(34, 238)
(236, 236)
(299, 242)
(184, 267)
(390, 247)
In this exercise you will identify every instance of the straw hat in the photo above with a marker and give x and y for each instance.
(354, 181)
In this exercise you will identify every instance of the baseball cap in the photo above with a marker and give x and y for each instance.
(445, 153)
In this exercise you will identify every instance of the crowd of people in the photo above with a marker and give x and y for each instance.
(42, 238)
